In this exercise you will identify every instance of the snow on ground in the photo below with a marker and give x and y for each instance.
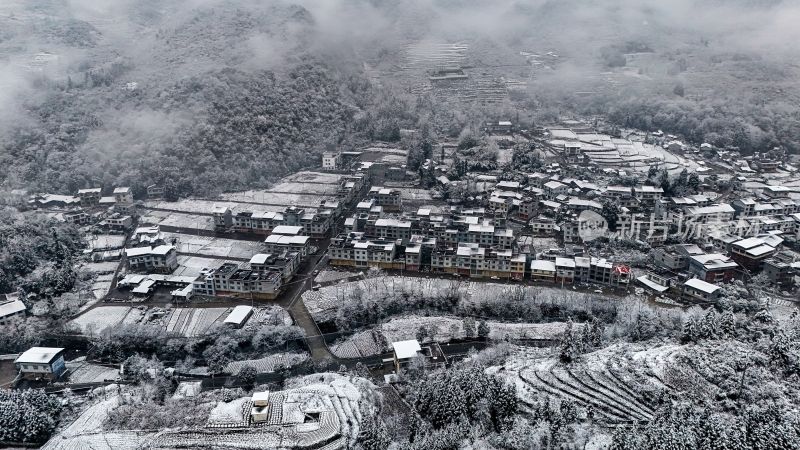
(97, 242)
(187, 322)
(305, 188)
(187, 389)
(324, 302)
(100, 267)
(415, 195)
(98, 319)
(81, 371)
(443, 329)
(249, 200)
(229, 412)
(190, 266)
(313, 177)
(191, 322)
(328, 275)
(179, 220)
(336, 400)
(86, 432)
(268, 364)
(213, 247)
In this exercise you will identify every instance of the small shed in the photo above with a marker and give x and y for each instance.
(239, 316)
(41, 362)
(404, 351)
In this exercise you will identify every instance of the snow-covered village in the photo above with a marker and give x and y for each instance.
(243, 225)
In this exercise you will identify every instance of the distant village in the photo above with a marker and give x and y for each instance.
(513, 227)
(564, 208)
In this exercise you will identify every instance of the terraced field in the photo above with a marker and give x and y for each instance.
(594, 383)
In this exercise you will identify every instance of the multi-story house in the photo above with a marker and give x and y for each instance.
(648, 194)
(713, 267)
(163, 258)
(751, 253)
(699, 291)
(277, 244)
(230, 280)
(285, 263)
(90, 197)
(388, 198)
(392, 229)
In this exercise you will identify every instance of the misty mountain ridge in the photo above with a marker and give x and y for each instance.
(138, 81)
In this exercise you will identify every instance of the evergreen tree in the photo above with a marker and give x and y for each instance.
(708, 325)
(597, 332)
(422, 333)
(568, 349)
(727, 323)
(373, 434)
(690, 331)
(469, 327)
(693, 183)
(483, 329)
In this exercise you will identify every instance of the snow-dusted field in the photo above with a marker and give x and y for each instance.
(329, 275)
(324, 303)
(300, 187)
(313, 177)
(268, 364)
(336, 399)
(190, 266)
(180, 220)
(415, 195)
(250, 200)
(97, 242)
(187, 322)
(86, 432)
(590, 384)
(213, 247)
(191, 322)
(98, 319)
(81, 371)
(442, 329)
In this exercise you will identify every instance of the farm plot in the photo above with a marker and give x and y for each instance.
(324, 302)
(213, 247)
(305, 188)
(86, 432)
(336, 400)
(99, 242)
(440, 329)
(358, 345)
(81, 371)
(269, 315)
(313, 177)
(101, 285)
(415, 195)
(178, 220)
(249, 199)
(268, 364)
(589, 383)
(327, 276)
(98, 319)
(191, 322)
(190, 266)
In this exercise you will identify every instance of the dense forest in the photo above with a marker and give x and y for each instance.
(36, 253)
(246, 129)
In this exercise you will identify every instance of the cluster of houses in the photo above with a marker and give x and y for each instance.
(482, 234)
(151, 262)
(315, 222)
(470, 242)
(89, 206)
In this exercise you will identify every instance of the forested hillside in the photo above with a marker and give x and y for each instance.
(200, 100)
(225, 129)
